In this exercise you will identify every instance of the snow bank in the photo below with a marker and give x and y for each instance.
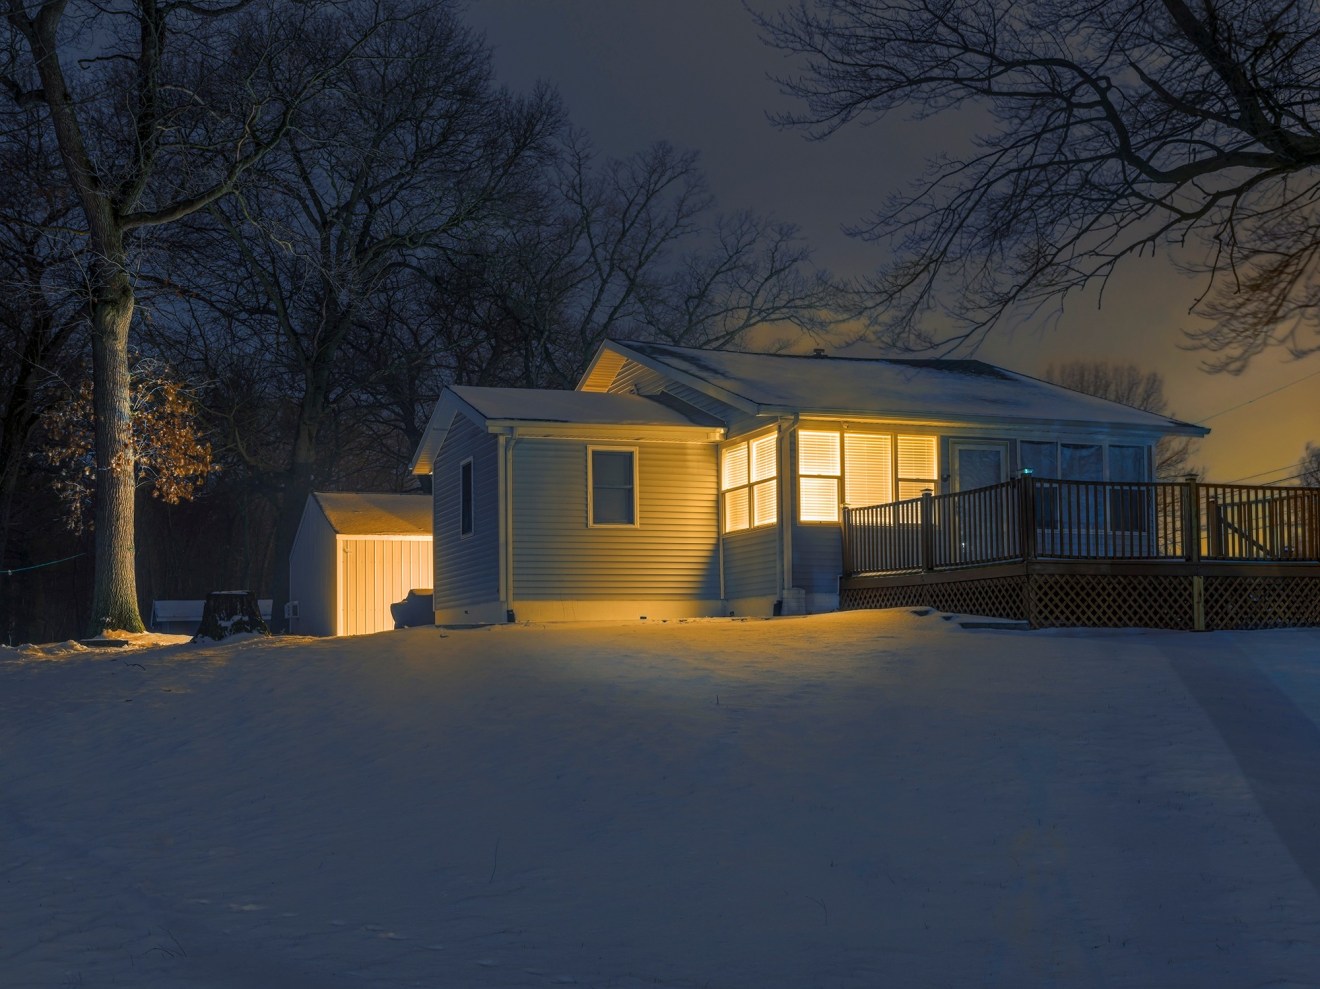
(862, 799)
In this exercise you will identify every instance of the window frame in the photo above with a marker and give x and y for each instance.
(892, 438)
(749, 486)
(633, 452)
(837, 478)
(467, 498)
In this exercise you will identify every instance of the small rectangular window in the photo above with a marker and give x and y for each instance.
(917, 468)
(748, 478)
(820, 469)
(613, 478)
(868, 469)
(465, 519)
(1081, 462)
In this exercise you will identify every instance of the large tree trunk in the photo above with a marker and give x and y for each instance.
(114, 600)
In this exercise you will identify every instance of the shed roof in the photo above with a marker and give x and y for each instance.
(899, 388)
(372, 513)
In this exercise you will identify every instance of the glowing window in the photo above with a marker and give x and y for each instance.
(749, 481)
(868, 464)
(820, 468)
(917, 466)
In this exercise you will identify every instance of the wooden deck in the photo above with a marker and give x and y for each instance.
(1052, 552)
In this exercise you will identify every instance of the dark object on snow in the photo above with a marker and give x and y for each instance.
(414, 610)
(101, 642)
(228, 613)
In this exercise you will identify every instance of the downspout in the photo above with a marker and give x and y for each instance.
(787, 429)
(719, 526)
(506, 514)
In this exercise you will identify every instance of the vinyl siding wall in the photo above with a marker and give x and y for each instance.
(466, 568)
(376, 572)
(312, 574)
(751, 563)
(670, 554)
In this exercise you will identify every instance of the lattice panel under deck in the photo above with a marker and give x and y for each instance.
(998, 597)
(1261, 602)
(1106, 600)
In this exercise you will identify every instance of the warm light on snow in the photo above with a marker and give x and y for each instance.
(867, 799)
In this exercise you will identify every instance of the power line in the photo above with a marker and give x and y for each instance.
(1272, 470)
(1267, 394)
(38, 566)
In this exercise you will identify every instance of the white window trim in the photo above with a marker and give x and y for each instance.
(591, 487)
(749, 486)
(472, 474)
(837, 478)
(841, 478)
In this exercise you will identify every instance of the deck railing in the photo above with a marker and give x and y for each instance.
(1031, 518)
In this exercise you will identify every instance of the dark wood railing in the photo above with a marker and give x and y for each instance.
(1031, 518)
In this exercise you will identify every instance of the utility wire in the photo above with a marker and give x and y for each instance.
(1267, 394)
(1273, 470)
(38, 566)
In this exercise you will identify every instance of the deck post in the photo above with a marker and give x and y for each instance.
(1191, 513)
(1026, 485)
(847, 541)
(927, 531)
(1214, 528)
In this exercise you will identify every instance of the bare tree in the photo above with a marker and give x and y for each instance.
(413, 148)
(1308, 468)
(1109, 130)
(1128, 384)
(628, 247)
(157, 109)
(41, 314)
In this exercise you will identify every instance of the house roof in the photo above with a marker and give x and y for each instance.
(891, 388)
(545, 405)
(547, 411)
(372, 513)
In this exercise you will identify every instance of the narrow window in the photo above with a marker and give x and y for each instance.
(1042, 459)
(613, 487)
(1129, 507)
(917, 471)
(820, 466)
(749, 482)
(465, 498)
(868, 469)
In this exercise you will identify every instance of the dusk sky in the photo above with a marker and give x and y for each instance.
(695, 73)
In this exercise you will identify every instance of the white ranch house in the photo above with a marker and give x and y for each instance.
(677, 482)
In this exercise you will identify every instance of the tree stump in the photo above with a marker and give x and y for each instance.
(228, 613)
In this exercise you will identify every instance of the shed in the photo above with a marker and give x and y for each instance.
(355, 555)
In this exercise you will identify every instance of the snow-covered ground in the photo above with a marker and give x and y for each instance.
(850, 800)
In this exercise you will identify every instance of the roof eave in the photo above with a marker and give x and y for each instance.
(1167, 427)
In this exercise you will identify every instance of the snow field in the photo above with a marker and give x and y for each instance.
(849, 800)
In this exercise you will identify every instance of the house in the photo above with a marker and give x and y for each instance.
(354, 556)
(678, 482)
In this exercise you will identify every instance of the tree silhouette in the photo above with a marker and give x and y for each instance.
(1107, 131)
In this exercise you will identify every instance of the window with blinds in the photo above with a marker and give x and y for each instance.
(749, 483)
(918, 468)
(868, 460)
(866, 468)
(820, 469)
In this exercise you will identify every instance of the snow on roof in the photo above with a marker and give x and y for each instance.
(371, 513)
(586, 408)
(889, 387)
